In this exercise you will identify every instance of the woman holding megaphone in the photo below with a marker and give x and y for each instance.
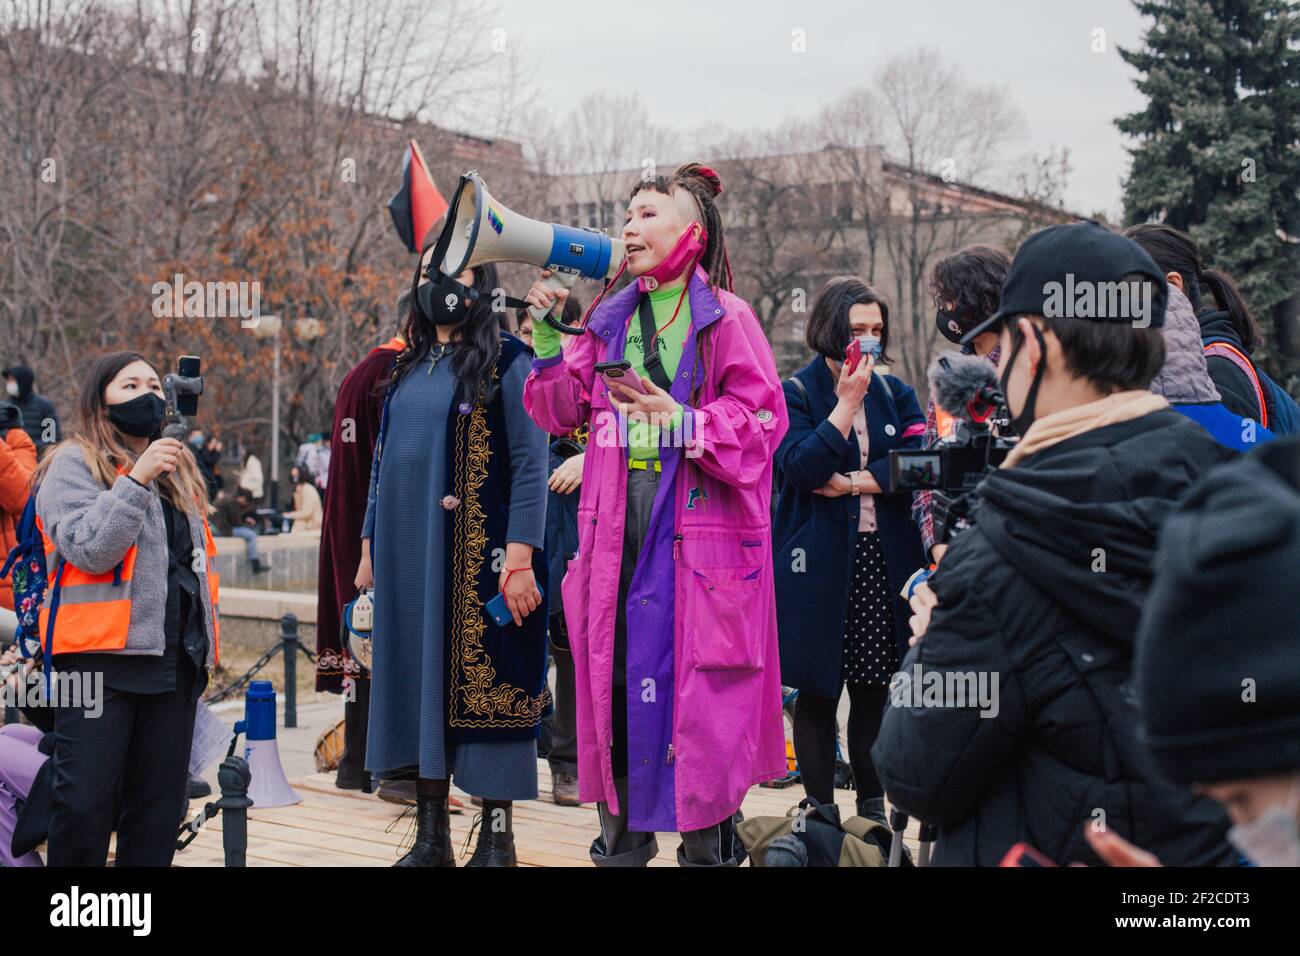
(456, 517)
(669, 601)
(129, 618)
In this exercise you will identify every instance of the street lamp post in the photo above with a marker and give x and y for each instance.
(268, 326)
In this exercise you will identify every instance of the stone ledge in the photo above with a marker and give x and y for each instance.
(267, 605)
(270, 542)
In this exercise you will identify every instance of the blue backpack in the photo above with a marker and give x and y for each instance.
(1279, 412)
(30, 578)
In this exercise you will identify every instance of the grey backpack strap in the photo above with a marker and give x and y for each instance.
(803, 392)
(798, 382)
(885, 382)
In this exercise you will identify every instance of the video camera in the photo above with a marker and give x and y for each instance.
(965, 387)
(181, 392)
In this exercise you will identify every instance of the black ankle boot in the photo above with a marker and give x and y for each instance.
(496, 846)
(432, 845)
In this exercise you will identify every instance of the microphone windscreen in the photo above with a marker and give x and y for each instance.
(964, 378)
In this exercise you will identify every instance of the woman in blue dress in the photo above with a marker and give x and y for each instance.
(456, 514)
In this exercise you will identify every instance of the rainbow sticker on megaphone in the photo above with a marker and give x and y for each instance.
(494, 220)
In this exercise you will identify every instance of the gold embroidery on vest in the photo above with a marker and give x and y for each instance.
(472, 673)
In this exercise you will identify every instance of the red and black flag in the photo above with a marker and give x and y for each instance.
(418, 204)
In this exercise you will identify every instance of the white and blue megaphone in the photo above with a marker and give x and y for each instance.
(268, 786)
(478, 230)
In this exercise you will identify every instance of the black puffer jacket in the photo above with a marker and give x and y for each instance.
(1023, 596)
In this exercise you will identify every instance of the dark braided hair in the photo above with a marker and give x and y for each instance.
(703, 184)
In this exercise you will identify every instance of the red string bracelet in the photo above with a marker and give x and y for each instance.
(510, 571)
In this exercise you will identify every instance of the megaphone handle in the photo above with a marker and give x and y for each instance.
(555, 281)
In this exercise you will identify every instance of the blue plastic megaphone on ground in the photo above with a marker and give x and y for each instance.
(268, 787)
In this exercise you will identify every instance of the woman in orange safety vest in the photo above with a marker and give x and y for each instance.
(129, 619)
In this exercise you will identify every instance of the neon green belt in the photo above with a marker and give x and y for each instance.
(644, 464)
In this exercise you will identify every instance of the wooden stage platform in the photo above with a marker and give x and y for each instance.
(333, 827)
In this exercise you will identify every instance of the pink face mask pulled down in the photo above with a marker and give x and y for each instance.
(688, 249)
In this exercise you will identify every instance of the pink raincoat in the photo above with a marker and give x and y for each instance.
(703, 682)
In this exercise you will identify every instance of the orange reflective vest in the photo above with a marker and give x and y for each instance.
(944, 423)
(92, 612)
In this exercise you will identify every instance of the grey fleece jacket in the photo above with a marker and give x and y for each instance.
(1184, 378)
(93, 527)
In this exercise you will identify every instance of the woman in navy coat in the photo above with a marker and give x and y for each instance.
(844, 546)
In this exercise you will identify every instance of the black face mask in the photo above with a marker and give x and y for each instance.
(444, 301)
(141, 417)
(1020, 423)
(949, 325)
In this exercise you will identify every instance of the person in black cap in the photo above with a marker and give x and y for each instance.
(1217, 662)
(1008, 720)
(967, 288)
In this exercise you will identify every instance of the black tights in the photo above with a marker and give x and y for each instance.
(814, 740)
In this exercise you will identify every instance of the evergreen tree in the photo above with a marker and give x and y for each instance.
(1218, 148)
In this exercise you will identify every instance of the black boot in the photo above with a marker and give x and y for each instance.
(496, 842)
(432, 845)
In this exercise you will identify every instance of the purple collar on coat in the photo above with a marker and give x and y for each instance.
(613, 313)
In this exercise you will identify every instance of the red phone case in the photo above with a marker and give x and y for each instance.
(853, 355)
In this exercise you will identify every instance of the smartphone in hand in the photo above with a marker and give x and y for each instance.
(864, 344)
(620, 372)
(500, 612)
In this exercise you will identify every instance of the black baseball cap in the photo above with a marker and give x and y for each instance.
(1058, 262)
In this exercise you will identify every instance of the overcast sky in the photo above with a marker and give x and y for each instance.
(700, 62)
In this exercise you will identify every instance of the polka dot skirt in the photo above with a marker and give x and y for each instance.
(870, 643)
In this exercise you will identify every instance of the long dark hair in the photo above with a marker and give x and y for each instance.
(105, 449)
(828, 331)
(479, 341)
(1175, 251)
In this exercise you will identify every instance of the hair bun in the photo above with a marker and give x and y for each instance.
(697, 171)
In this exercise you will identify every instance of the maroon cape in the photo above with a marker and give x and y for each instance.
(356, 417)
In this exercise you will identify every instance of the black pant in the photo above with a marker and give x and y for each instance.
(135, 755)
(617, 845)
(563, 757)
(356, 714)
(814, 741)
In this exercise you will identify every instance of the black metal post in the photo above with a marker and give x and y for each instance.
(289, 637)
(233, 776)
